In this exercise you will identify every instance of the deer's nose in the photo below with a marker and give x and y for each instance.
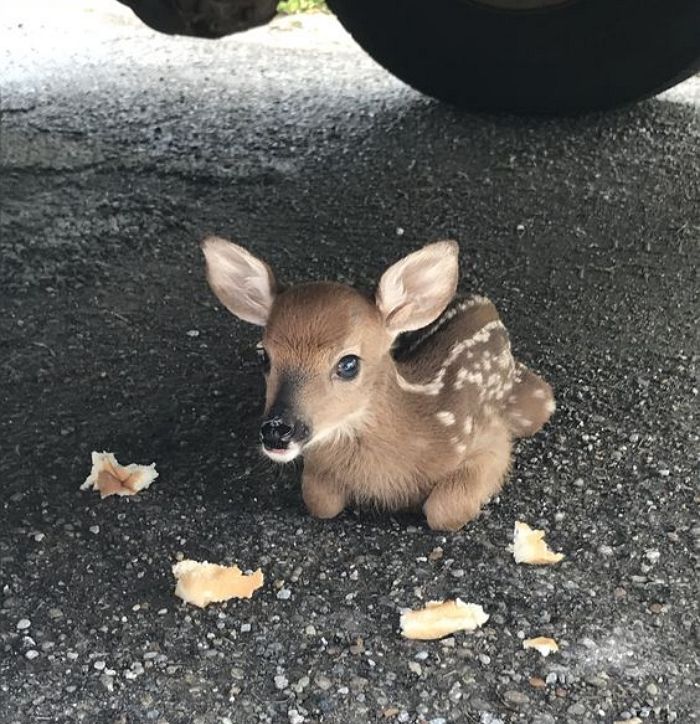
(276, 433)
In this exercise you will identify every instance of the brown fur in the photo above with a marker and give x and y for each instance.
(434, 429)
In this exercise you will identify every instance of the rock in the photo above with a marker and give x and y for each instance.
(436, 554)
(284, 594)
(536, 682)
(107, 682)
(281, 682)
(300, 685)
(323, 682)
(23, 624)
(415, 667)
(652, 689)
(516, 697)
(598, 681)
(577, 709)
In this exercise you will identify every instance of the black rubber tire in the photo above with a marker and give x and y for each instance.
(579, 56)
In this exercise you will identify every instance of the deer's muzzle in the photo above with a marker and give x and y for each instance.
(279, 433)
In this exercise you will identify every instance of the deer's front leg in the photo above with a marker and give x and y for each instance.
(322, 497)
(457, 499)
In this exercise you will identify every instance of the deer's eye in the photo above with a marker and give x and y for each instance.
(263, 358)
(348, 367)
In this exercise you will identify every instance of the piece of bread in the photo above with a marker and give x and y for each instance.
(111, 478)
(542, 644)
(441, 618)
(530, 547)
(203, 583)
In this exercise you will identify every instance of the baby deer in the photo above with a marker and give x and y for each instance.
(434, 427)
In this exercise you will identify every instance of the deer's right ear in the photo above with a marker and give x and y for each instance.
(244, 284)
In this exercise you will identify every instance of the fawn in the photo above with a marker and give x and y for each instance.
(432, 426)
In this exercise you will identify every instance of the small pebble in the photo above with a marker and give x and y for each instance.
(652, 689)
(435, 554)
(323, 682)
(415, 667)
(32, 654)
(94, 529)
(516, 697)
(23, 623)
(281, 682)
(284, 594)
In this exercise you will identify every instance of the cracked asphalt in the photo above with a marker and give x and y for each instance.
(120, 150)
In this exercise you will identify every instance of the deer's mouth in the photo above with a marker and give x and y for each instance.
(283, 455)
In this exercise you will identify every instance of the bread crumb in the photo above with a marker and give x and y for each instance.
(542, 644)
(110, 478)
(530, 547)
(440, 618)
(203, 583)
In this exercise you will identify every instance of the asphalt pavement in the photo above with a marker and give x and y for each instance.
(121, 149)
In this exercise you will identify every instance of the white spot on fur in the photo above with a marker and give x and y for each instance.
(461, 448)
(539, 393)
(483, 335)
(468, 425)
(505, 360)
(447, 316)
(550, 405)
(433, 387)
(446, 417)
(474, 301)
(493, 380)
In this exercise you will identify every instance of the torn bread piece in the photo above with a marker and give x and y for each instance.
(441, 618)
(529, 546)
(111, 478)
(544, 645)
(203, 583)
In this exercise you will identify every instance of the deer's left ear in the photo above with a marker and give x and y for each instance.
(415, 291)
(244, 284)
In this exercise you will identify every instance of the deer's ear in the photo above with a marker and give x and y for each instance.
(415, 291)
(244, 284)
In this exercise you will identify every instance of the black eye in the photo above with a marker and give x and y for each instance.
(263, 358)
(348, 367)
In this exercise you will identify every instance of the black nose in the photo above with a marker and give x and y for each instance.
(276, 434)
